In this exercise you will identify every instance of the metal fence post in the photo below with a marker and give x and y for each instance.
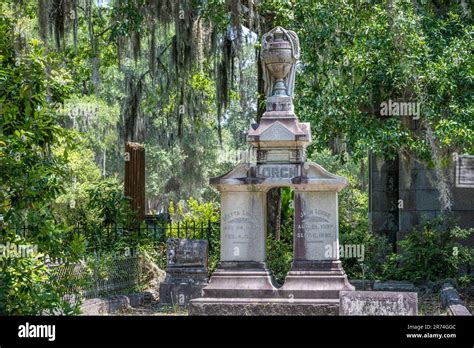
(209, 232)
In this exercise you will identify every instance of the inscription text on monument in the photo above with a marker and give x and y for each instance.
(278, 171)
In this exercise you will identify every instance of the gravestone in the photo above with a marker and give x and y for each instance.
(378, 303)
(242, 284)
(465, 171)
(186, 271)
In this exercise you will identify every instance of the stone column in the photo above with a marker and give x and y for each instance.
(315, 226)
(134, 180)
(242, 272)
(316, 270)
(243, 226)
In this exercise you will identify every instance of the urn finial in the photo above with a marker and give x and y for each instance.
(280, 53)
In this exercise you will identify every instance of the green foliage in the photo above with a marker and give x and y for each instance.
(32, 82)
(375, 252)
(430, 252)
(108, 202)
(353, 216)
(358, 54)
(280, 252)
(28, 286)
(70, 207)
(31, 174)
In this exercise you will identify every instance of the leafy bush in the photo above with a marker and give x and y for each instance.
(280, 253)
(29, 287)
(107, 200)
(430, 252)
(374, 253)
(33, 83)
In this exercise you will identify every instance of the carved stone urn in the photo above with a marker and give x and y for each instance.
(277, 55)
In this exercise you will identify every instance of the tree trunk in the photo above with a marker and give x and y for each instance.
(274, 212)
(260, 89)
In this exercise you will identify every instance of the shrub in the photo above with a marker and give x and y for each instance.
(280, 253)
(28, 287)
(431, 252)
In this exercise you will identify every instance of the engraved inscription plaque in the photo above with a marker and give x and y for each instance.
(243, 235)
(278, 171)
(315, 228)
(465, 171)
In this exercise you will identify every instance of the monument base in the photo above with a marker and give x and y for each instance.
(179, 293)
(263, 307)
(240, 279)
(315, 280)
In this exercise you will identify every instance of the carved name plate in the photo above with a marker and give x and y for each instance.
(465, 171)
(187, 252)
(242, 228)
(278, 171)
(378, 303)
(316, 226)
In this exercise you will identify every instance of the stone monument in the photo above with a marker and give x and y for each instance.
(186, 271)
(378, 303)
(242, 283)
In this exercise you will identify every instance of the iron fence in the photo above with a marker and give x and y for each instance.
(101, 237)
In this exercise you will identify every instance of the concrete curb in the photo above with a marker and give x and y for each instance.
(450, 299)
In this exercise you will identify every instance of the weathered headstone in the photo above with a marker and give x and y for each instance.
(186, 271)
(378, 303)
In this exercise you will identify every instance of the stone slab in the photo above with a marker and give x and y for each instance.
(243, 226)
(386, 303)
(394, 286)
(458, 310)
(315, 280)
(316, 226)
(187, 252)
(179, 294)
(424, 179)
(114, 304)
(427, 200)
(361, 284)
(262, 307)
(240, 279)
(463, 198)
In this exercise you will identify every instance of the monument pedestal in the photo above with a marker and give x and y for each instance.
(240, 279)
(315, 280)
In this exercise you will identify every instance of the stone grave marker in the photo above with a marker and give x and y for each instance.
(378, 303)
(186, 271)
